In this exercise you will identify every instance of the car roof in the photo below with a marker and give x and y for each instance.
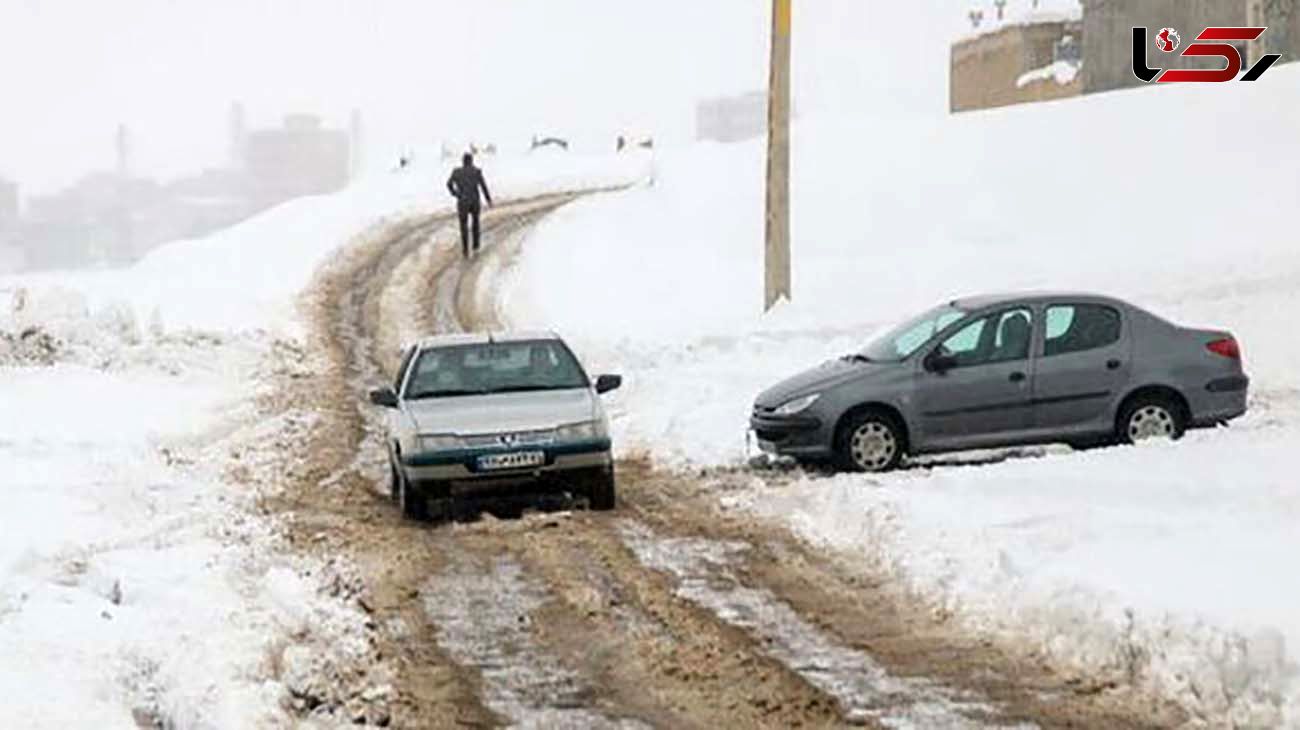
(483, 338)
(984, 301)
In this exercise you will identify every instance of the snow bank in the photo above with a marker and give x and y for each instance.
(1062, 72)
(1167, 567)
(134, 589)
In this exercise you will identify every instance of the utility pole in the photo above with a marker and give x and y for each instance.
(777, 252)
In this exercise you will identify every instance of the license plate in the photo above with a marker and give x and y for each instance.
(517, 460)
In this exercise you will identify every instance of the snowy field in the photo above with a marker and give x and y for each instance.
(1171, 565)
(138, 586)
(134, 588)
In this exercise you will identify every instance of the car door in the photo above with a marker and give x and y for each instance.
(1082, 367)
(986, 395)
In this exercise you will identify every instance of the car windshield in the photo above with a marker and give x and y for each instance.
(901, 341)
(502, 367)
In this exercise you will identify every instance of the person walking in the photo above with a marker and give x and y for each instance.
(464, 184)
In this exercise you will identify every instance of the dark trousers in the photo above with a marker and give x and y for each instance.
(466, 211)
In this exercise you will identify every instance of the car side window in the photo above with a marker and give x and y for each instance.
(1001, 337)
(1080, 327)
(401, 369)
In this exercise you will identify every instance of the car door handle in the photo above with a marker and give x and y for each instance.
(1113, 364)
(1017, 377)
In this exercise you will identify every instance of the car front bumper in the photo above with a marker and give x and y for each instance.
(462, 466)
(796, 436)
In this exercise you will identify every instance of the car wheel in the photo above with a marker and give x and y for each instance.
(601, 492)
(414, 505)
(871, 441)
(1149, 417)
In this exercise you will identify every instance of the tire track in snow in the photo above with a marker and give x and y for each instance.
(483, 609)
(865, 691)
(481, 601)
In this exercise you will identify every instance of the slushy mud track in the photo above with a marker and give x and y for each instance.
(670, 612)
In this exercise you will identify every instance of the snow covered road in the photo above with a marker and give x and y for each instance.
(603, 630)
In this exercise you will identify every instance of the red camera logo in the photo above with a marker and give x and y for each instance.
(1205, 44)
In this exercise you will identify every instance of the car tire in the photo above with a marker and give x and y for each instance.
(1151, 416)
(870, 441)
(601, 492)
(440, 510)
(415, 506)
(394, 482)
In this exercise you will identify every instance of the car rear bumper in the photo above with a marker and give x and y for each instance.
(1222, 399)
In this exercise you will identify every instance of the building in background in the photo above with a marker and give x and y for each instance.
(1005, 59)
(1282, 18)
(1108, 35)
(300, 158)
(1032, 57)
(732, 118)
(114, 218)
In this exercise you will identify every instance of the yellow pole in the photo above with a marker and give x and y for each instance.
(777, 248)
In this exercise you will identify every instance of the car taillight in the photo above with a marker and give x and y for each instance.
(1226, 347)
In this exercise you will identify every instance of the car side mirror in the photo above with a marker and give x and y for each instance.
(940, 364)
(384, 397)
(606, 383)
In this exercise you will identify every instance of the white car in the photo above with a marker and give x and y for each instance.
(504, 417)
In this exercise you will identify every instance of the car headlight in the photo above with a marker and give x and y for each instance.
(798, 405)
(442, 442)
(579, 431)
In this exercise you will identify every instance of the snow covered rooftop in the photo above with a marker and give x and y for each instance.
(1018, 13)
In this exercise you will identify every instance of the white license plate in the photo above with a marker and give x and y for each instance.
(517, 460)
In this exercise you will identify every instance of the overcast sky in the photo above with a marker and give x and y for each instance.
(420, 70)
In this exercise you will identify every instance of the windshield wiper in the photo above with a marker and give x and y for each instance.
(856, 357)
(527, 388)
(443, 394)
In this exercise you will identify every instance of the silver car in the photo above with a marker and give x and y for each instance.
(1006, 370)
(505, 417)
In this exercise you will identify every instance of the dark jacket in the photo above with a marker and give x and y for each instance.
(465, 182)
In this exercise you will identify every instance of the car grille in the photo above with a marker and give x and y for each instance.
(510, 438)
